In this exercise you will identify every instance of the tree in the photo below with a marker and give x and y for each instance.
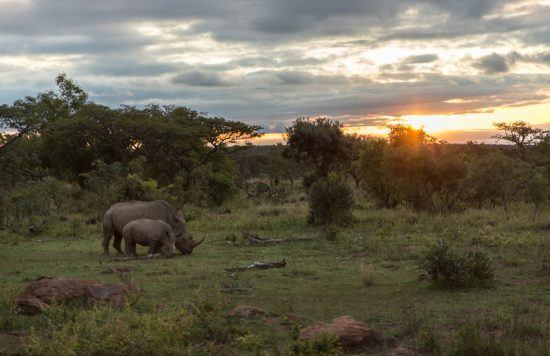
(377, 178)
(411, 167)
(319, 142)
(521, 134)
(219, 132)
(498, 179)
(69, 134)
(407, 136)
(33, 115)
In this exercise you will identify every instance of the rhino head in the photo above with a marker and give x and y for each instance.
(186, 245)
(184, 241)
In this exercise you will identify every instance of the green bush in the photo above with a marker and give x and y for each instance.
(448, 268)
(201, 328)
(471, 341)
(330, 201)
(105, 185)
(326, 345)
(429, 342)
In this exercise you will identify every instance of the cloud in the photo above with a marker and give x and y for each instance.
(268, 62)
(493, 64)
(200, 78)
(422, 58)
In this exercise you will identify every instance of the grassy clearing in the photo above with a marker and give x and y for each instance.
(369, 271)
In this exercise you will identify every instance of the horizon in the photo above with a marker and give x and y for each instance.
(451, 68)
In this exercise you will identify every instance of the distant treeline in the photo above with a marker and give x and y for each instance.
(65, 150)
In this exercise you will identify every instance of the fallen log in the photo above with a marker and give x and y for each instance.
(254, 239)
(258, 265)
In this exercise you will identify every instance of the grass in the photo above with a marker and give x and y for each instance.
(370, 272)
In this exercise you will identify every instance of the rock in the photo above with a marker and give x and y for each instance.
(402, 351)
(351, 333)
(245, 312)
(30, 305)
(38, 295)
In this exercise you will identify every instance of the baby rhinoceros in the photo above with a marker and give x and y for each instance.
(156, 234)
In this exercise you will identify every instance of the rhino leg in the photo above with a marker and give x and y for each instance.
(107, 233)
(130, 247)
(118, 242)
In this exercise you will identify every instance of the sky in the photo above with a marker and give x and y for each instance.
(452, 67)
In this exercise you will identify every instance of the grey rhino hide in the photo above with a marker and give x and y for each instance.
(120, 214)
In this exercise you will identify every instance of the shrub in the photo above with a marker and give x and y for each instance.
(105, 185)
(327, 345)
(330, 201)
(202, 328)
(471, 341)
(448, 268)
(429, 342)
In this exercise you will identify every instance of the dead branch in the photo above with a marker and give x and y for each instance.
(253, 239)
(258, 265)
(234, 290)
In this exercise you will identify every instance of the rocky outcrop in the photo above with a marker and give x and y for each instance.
(351, 333)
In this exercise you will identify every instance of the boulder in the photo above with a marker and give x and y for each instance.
(245, 312)
(351, 333)
(38, 295)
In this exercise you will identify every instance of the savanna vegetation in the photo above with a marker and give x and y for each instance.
(444, 248)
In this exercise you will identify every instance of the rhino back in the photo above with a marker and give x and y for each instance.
(143, 231)
(122, 213)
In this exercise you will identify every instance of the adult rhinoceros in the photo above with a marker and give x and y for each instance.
(120, 214)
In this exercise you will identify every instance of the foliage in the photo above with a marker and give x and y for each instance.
(521, 134)
(470, 341)
(62, 133)
(498, 179)
(376, 178)
(429, 342)
(411, 168)
(406, 136)
(266, 162)
(326, 345)
(445, 267)
(330, 201)
(111, 332)
(29, 203)
(319, 142)
(105, 183)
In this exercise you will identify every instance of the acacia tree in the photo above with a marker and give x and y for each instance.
(521, 134)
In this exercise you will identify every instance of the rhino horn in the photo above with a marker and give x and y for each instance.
(196, 243)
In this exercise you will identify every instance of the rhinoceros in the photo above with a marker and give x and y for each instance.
(156, 234)
(120, 214)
